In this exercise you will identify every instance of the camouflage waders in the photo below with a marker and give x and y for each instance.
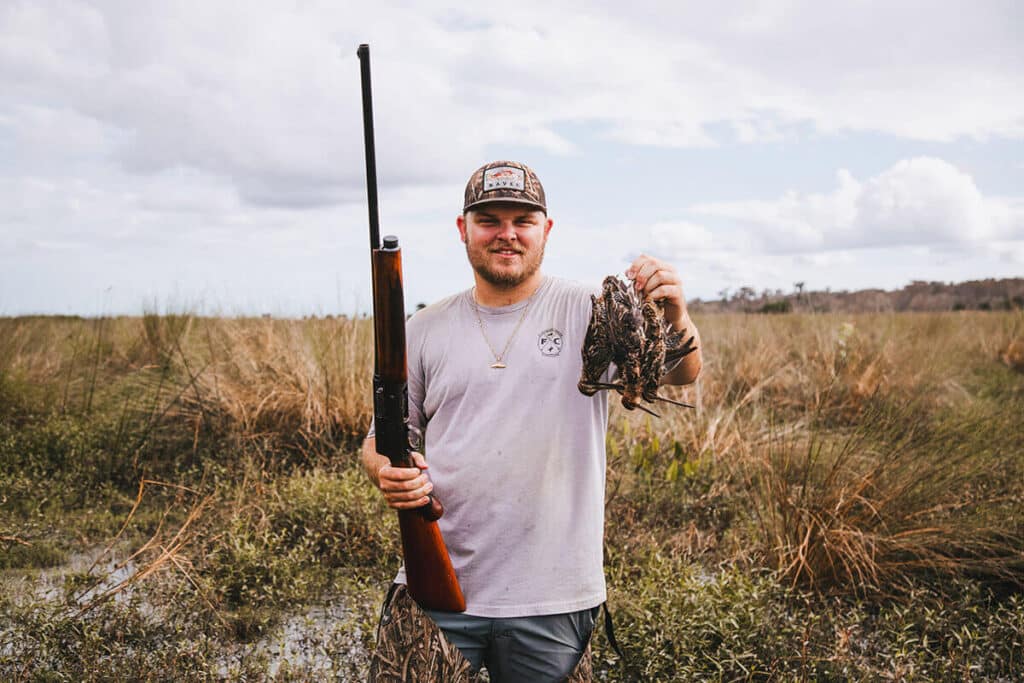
(412, 649)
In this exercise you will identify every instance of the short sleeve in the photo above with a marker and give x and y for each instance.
(416, 379)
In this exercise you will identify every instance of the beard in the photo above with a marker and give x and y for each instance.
(507, 277)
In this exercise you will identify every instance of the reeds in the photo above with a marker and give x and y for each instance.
(860, 509)
(307, 379)
(797, 417)
(863, 449)
(306, 382)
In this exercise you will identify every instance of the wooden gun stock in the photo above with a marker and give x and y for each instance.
(428, 568)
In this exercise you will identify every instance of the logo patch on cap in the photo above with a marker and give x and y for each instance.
(504, 177)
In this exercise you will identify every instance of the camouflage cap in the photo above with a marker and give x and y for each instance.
(504, 181)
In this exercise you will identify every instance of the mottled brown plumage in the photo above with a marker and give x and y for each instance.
(632, 333)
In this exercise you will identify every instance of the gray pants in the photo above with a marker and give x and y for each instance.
(412, 648)
(520, 649)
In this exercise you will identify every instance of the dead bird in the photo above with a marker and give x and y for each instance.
(632, 333)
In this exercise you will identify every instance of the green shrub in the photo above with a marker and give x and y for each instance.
(124, 640)
(30, 555)
(676, 621)
(339, 515)
(782, 306)
(280, 551)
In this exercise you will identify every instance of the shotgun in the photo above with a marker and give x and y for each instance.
(428, 568)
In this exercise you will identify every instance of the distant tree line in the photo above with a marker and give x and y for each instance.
(919, 295)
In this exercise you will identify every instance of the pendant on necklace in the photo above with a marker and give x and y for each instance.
(497, 365)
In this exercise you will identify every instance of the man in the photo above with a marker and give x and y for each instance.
(516, 451)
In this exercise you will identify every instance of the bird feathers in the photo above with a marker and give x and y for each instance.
(630, 331)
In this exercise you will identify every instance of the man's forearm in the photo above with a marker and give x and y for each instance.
(372, 460)
(688, 368)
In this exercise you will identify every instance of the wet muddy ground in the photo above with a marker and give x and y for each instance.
(320, 640)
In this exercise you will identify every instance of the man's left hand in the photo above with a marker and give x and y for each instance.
(660, 281)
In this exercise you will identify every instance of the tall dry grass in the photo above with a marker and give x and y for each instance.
(896, 494)
(850, 448)
(304, 382)
(309, 379)
(860, 449)
(760, 370)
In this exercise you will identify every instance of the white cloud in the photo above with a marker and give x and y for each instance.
(265, 95)
(920, 201)
(1012, 253)
(681, 235)
(999, 251)
(826, 259)
(159, 131)
(919, 218)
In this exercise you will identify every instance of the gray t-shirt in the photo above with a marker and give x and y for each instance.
(517, 455)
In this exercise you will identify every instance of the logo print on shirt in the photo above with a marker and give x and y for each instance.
(550, 342)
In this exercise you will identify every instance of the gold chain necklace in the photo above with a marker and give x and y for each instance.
(499, 362)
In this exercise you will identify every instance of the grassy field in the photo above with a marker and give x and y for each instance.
(180, 499)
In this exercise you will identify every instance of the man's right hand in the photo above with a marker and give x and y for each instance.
(405, 488)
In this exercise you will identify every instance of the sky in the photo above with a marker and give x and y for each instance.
(208, 156)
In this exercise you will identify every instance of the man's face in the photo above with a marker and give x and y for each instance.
(504, 241)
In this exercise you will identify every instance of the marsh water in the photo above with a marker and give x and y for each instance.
(314, 639)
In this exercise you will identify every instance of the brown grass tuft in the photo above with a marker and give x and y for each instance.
(1013, 355)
